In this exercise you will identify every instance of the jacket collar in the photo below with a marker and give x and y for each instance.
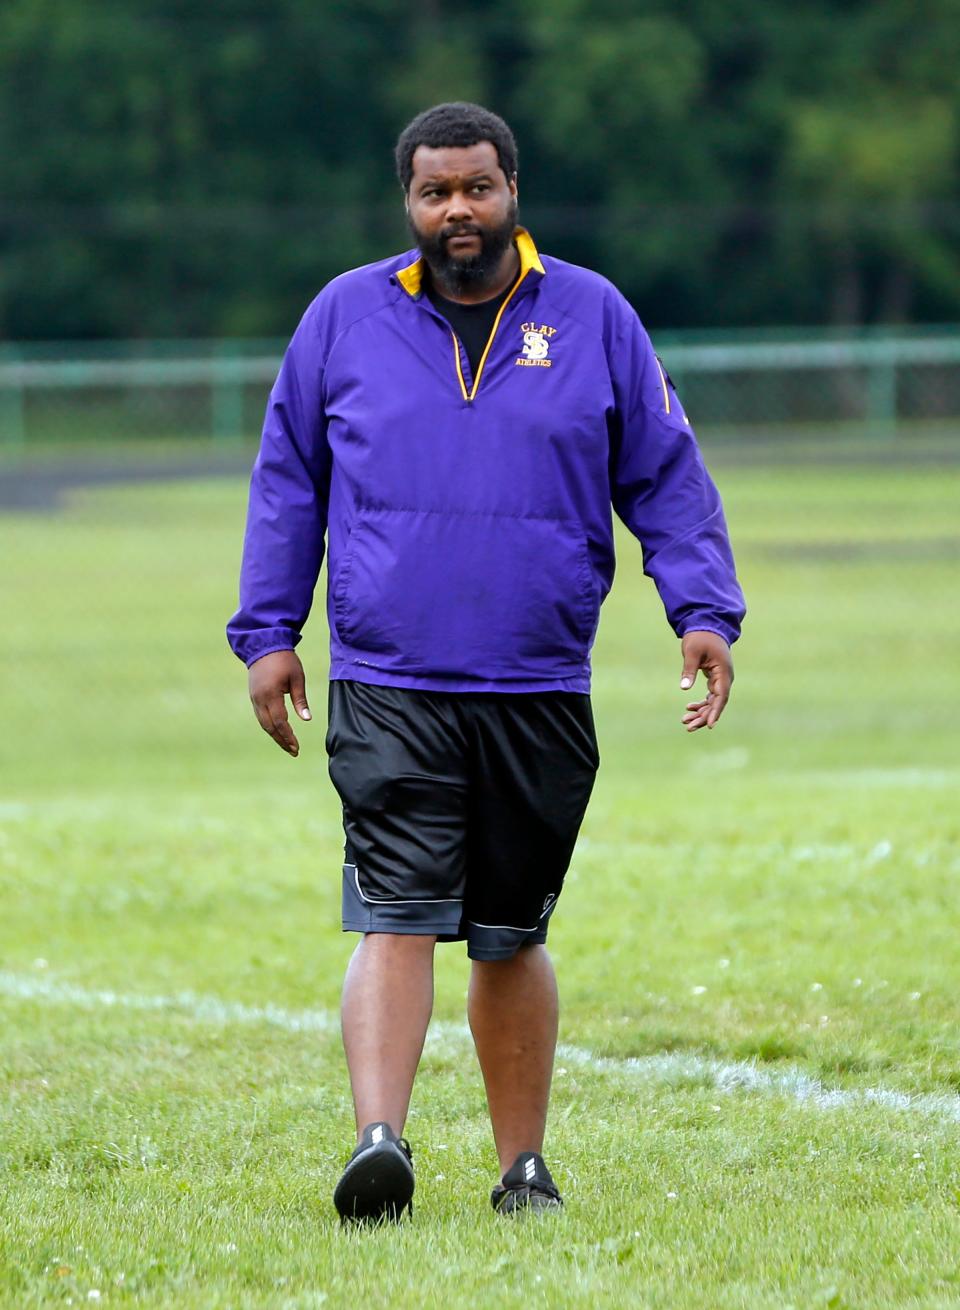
(410, 277)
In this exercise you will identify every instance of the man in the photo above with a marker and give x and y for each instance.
(459, 420)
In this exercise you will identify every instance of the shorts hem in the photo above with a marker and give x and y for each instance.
(410, 917)
(507, 952)
(439, 930)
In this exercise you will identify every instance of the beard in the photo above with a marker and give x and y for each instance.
(473, 271)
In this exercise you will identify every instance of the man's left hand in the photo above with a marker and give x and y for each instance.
(707, 651)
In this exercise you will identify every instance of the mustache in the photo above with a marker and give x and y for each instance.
(448, 233)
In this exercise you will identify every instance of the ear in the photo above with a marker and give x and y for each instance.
(512, 184)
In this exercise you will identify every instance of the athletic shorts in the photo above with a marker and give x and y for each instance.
(460, 811)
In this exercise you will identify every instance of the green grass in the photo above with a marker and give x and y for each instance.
(751, 915)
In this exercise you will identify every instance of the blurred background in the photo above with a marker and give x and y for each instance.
(186, 170)
(775, 187)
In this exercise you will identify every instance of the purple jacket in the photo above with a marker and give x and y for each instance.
(468, 519)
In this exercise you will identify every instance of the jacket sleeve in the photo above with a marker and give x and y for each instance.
(287, 513)
(662, 491)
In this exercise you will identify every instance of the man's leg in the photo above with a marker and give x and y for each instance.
(387, 999)
(512, 1005)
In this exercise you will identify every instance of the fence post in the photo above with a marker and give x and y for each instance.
(882, 390)
(12, 409)
(227, 395)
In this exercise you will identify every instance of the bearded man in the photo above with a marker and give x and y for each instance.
(460, 421)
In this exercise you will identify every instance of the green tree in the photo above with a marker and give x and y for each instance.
(176, 169)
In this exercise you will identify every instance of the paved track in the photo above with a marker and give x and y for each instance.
(41, 489)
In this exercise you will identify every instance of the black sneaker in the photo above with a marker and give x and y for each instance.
(526, 1185)
(377, 1183)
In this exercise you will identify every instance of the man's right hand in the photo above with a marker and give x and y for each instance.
(271, 678)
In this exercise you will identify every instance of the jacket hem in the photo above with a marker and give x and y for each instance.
(348, 671)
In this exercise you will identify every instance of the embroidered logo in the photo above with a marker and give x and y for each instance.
(536, 344)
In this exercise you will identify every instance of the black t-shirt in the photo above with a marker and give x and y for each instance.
(472, 323)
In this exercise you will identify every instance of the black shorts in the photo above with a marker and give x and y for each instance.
(460, 810)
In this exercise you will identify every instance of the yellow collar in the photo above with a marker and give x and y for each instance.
(411, 277)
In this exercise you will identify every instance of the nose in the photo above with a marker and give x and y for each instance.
(459, 209)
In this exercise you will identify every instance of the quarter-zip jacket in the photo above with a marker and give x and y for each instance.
(469, 518)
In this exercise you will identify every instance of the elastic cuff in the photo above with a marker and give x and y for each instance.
(716, 626)
(271, 650)
(251, 644)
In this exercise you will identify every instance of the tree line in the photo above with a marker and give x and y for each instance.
(176, 168)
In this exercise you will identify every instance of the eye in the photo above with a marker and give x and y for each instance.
(482, 186)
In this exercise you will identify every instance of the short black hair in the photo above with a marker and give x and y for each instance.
(458, 123)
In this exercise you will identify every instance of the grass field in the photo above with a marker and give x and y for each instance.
(756, 1103)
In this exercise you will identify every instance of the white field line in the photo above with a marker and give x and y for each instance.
(201, 1009)
(670, 1069)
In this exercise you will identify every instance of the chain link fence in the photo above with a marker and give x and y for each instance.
(731, 384)
(134, 390)
(872, 383)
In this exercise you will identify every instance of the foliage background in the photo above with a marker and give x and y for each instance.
(176, 169)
